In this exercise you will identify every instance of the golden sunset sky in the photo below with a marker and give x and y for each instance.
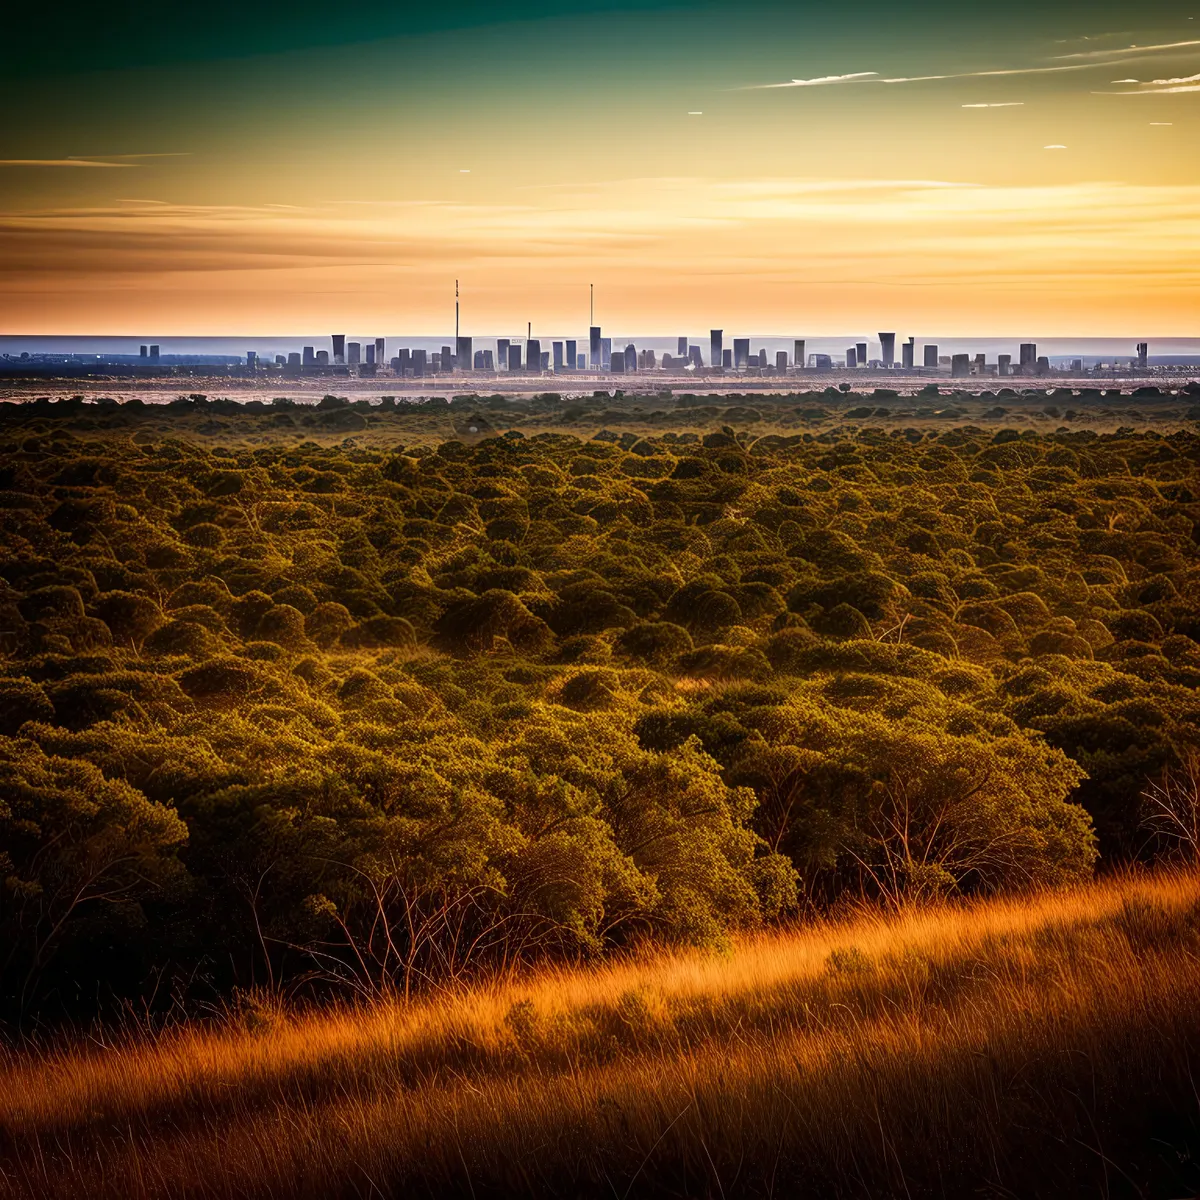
(1019, 168)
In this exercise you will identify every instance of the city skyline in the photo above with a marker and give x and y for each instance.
(995, 170)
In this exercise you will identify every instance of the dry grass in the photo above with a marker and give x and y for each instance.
(1033, 1047)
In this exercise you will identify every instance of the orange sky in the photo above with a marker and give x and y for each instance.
(313, 188)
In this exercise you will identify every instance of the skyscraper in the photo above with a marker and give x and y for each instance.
(683, 345)
(960, 366)
(557, 348)
(251, 359)
(860, 352)
(339, 347)
(715, 340)
(145, 352)
(310, 356)
(447, 359)
(594, 360)
(727, 360)
(631, 358)
(479, 362)
(380, 351)
(463, 353)
(1143, 355)
(617, 362)
(370, 349)
(605, 353)
(514, 356)
(798, 359)
(781, 361)
(741, 353)
(354, 353)
(1028, 358)
(931, 355)
(153, 353)
(418, 363)
(502, 354)
(570, 356)
(887, 342)
(322, 358)
(1003, 364)
(533, 355)
(762, 359)
(852, 357)
(907, 353)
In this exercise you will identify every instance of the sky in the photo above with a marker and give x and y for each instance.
(793, 168)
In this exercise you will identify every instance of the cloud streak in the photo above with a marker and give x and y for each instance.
(1000, 104)
(1092, 59)
(60, 162)
(1126, 50)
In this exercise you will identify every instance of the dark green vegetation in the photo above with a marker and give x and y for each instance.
(360, 713)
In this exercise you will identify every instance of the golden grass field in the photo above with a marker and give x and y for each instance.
(1045, 1046)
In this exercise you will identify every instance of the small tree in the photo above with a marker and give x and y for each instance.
(1171, 809)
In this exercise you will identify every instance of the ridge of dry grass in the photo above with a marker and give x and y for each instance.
(1041, 1045)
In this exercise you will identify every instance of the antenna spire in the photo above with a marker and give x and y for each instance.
(456, 316)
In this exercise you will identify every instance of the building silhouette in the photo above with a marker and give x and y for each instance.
(1003, 364)
(960, 366)
(715, 343)
(595, 360)
(907, 353)
(557, 347)
(514, 356)
(1143, 355)
(533, 355)
(860, 352)
(380, 351)
(339, 347)
(741, 353)
(354, 353)
(727, 360)
(931, 355)
(1028, 358)
(798, 359)
(571, 354)
(852, 356)
(463, 353)
(887, 345)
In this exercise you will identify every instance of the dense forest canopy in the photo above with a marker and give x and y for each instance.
(362, 698)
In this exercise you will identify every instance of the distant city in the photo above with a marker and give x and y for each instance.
(591, 357)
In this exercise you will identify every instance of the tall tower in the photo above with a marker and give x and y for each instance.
(594, 348)
(715, 345)
(339, 347)
(888, 343)
(798, 357)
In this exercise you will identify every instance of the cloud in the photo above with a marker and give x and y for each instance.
(161, 154)
(821, 81)
(59, 162)
(1160, 87)
(1056, 146)
(1130, 50)
(1091, 59)
(1001, 104)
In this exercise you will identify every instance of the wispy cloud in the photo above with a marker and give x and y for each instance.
(159, 154)
(999, 104)
(822, 80)
(1127, 50)
(1090, 60)
(1159, 87)
(60, 162)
